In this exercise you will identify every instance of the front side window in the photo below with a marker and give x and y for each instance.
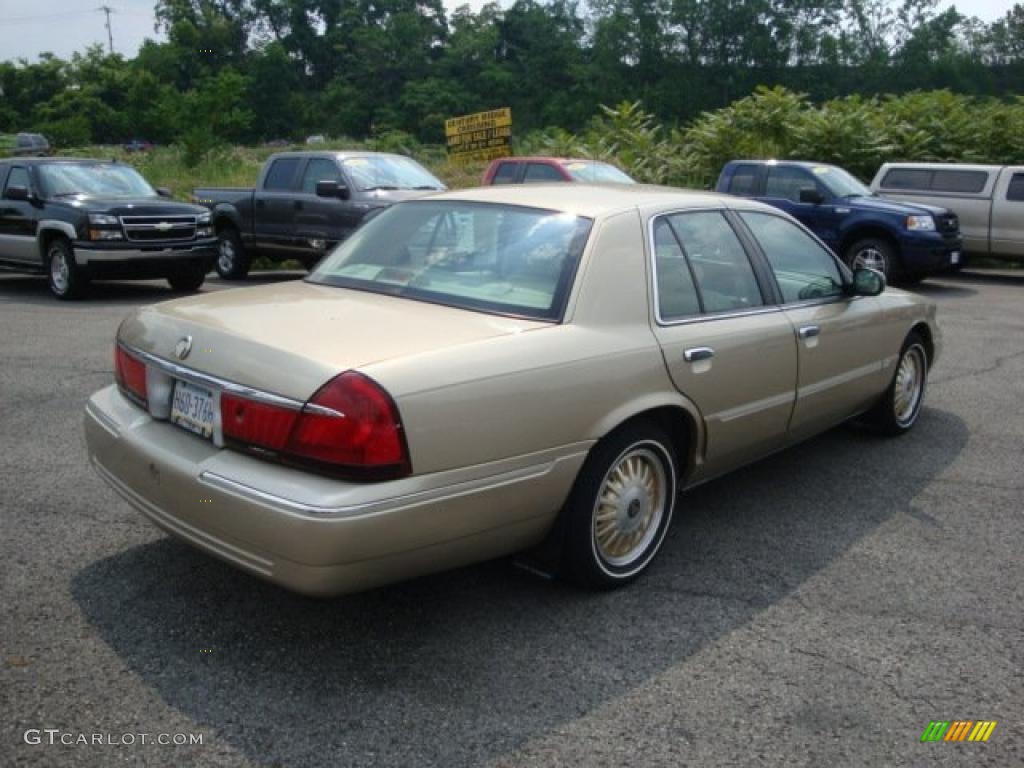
(721, 269)
(489, 257)
(540, 172)
(92, 180)
(803, 268)
(385, 172)
(319, 169)
(786, 182)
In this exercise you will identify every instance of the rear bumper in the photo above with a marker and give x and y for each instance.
(318, 535)
(923, 254)
(134, 261)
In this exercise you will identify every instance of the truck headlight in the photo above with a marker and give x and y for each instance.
(203, 218)
(103, 220)
(920, 223)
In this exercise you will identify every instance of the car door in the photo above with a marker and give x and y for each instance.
(321, 222)
(782, 190)
(843, 341)
(274, 209)
(726, 345)
(1008, 213)
(18, 219)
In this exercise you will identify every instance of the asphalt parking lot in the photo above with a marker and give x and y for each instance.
(816, 609)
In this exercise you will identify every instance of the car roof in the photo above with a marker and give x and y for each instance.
(340, 154)
(593, 200)
(943, 166)
(51, 160)
(548, 159)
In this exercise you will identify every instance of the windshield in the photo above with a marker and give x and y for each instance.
(93, 180)
(495, 258)
(389, 172)
(839, 182)
(595, 172)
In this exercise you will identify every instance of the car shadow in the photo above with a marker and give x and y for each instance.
(465, 666)
(33, 289)
(942, 290)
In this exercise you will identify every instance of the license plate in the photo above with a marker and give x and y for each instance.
(954, 257)
(192, 408)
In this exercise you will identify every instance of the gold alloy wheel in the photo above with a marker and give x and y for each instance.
(630, 506)
(909, 385)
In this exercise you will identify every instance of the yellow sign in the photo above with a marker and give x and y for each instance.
(479, 137)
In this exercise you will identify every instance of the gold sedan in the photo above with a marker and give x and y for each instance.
(477, 372)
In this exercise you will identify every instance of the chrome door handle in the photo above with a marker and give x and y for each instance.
(694, 354)
(809, 331)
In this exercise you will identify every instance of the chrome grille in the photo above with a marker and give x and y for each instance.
(151, 229)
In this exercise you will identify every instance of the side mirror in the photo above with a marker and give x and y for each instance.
(811, 195)
(18, 193)
(163, 192)
(867, 282)
(332, 189)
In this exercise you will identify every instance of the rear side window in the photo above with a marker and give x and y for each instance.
(281, 173)
(720, 267)
(17, 178)
(1016, 189)
(743, 181)
(506, 174)
(970, 182)
(677, 294)
(907, 178)
(539, 172)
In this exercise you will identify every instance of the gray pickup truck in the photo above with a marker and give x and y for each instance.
(304, 203)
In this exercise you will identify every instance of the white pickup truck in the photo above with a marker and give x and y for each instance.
(989, 200)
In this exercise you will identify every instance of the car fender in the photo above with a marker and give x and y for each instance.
(49, 226)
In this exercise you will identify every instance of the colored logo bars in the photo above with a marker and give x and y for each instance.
(958, 730)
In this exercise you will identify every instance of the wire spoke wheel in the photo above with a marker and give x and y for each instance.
(908, 387)
(630, 506)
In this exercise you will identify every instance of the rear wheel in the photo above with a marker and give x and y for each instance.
(621, 506)
(232, 260)
(897, 411)
(188, 277)
(66, 279)
(873, 253)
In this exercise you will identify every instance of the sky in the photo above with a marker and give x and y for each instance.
(64, 26)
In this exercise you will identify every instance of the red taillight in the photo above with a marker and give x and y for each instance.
(256, 423)
(351, 422)
(130, 373)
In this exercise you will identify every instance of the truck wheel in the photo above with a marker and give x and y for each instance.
(873, 253)
(188, 277)
(66, 279)
(232, 260)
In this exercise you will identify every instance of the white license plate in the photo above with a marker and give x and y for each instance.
(192, 408)
(954, 257)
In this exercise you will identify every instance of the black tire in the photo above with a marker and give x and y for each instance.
(66, 279)
(188, 277)
(232, 261)
(640, 517)
(892, 415)
(868, 251)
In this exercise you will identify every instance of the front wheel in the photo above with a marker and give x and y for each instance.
(873, 253)
(66, 279)
(621, 506)
(232, 260)
(188, 277)
(897, 411)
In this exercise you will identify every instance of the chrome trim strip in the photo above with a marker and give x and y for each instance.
(84, 255)
(207, 380)
(842, 378)
(755, 406)
(392, 504)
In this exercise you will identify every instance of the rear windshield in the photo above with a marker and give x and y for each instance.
(494, 258)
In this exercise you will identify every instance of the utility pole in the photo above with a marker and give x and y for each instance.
(110, 33)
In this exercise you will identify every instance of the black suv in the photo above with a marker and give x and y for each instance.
(75, 220)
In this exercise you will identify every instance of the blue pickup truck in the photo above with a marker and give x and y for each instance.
(906, 241)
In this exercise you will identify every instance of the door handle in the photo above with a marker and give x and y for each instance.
(809, 331)
(694, 354)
